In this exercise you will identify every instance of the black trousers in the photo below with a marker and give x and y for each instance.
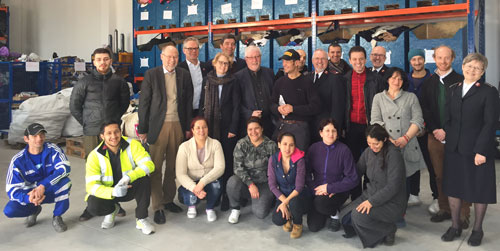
(356, 141)
(422, 142)
(140, 191)
(322, 208)
(298, 206)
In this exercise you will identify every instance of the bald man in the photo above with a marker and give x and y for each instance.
(165, 107)
(378, 57)
(302, 65)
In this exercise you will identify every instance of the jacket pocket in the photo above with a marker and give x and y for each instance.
(412, 153)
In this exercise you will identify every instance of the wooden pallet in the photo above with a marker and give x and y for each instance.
(74, 147)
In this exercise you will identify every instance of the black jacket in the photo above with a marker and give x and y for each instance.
(470, 122)
(204, 66)
(97, 97)
(373, 85)
(238, 65)
(429, 98)
(331, 89)
(153, 101)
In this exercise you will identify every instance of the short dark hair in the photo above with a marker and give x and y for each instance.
(254, 119)
(109, 122)
(334, 44)
(390, 72)
(228, 36)
(357, 49)
(286, 134)
(197, 118)
(377, 132)
(102, 51)
(326, 121)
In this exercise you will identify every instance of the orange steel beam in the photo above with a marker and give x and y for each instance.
(172, 30)
(138, 79)
(289, 21)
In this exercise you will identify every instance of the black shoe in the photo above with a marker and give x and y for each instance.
(441, 216)
(173, 208)
(224, 204)
(349, 231)
(451, 234)
(334, 225)
(58, 224)
(390, 239)
(159, 217)
(475, 238)
(85, 216)
(121, 212)
(31, 220)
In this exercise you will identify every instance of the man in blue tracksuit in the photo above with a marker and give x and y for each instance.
(38, 175)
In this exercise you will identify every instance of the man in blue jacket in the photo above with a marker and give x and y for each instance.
(38, 175)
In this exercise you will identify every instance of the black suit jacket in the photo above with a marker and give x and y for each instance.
(331, 90)
(206, 67)
(238, 65)
(471, 121)
(153, 101)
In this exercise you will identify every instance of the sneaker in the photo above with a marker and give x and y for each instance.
(145, 226)
(191, 214)
(211, 216)
(334, 225)
(109, 220)
(434, 207)
(234, 216)
(58, 224)
(31, 220)
(85, 216)
(414, 200)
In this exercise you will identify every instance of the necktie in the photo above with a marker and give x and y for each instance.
(316, 76)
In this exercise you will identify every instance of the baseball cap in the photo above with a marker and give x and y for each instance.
(34, 129)
(290, 55)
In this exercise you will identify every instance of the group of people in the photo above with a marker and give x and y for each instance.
(231, 132)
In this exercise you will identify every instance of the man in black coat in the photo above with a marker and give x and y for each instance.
(337, 65)
(197, 69)
(228, 46)
(378, 57)
(331, 89)
(165, 107)
(98, 97)
(433, 101)
(256, 85)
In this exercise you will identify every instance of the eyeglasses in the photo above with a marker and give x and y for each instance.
(191, 49)
(256, 57)
(377, 55)
(170, 57)
(223, 63)
(473, 68)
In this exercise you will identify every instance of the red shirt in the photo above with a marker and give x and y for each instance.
(358, 109)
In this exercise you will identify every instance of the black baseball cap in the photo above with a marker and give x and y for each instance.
(290, 55)
(34, 129)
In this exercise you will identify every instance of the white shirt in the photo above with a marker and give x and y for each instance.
(466, 87)
(165, 71)
(377, 69)
(444, 75)
(197, 79)
(319, 75)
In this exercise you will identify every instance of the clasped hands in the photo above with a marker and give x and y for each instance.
(37, 195)
(285, 109)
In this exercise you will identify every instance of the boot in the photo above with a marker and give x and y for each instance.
(296, 231)
(288, 226)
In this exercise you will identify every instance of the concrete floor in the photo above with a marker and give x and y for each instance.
(180, 233)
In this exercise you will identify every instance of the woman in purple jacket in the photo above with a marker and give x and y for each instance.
(331, 172)
(286, 177)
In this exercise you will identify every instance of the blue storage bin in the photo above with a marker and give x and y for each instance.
(381, 4)
(144, 16)
(413, 3)
(281, 7)
(394, 49)
(337, 6)
(345, 47)
(148, 57)
(167, 14)
(188, 8)
(247, 11)
(225, 10)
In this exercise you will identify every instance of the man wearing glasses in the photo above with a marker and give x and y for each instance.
(256, 84)
(165, 107)
(197, 68)
(378, 58)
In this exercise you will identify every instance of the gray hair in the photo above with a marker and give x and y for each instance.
(476, 57)
(250, 48)
(191, 39)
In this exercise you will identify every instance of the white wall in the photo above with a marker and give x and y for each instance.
(68, 27)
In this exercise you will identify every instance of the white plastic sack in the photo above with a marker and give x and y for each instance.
(72, 128)
(130, 121)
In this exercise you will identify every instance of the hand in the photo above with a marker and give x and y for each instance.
(254, 191)
(401, 142)
(231, 135)
(198, 189)
(439, 134)
(479, 159)
(201, 195)
(321, 190)
(288, 108)
(282, 111)
(123, 181)
(365, 206)
(284, 210)
(143, 137)
(39, 191)
(34, 199)
(189, 134)
(119, 190)
(257, 113)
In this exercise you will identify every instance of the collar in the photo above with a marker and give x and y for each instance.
(359, 74)
(378, 69)
(165, 71)
(444, 75)
(296, 155)
(102, 148)
(189, 63)
(99, 76)
(332, 146)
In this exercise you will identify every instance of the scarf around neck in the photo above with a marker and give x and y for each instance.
(212, 103)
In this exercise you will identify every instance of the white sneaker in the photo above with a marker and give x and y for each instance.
(109, 220)
(234, 216)
(434, 207)
(211, 216)
(191, 213)
(414, 200)
(145, 226)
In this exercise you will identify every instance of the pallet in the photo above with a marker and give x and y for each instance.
(74, 147)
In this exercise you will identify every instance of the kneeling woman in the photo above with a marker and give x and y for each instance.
(373, 215)
(286, 176)
(199, 165)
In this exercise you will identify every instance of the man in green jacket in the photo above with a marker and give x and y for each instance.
(116, 171)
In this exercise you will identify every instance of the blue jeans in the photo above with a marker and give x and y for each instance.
(213, 191)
